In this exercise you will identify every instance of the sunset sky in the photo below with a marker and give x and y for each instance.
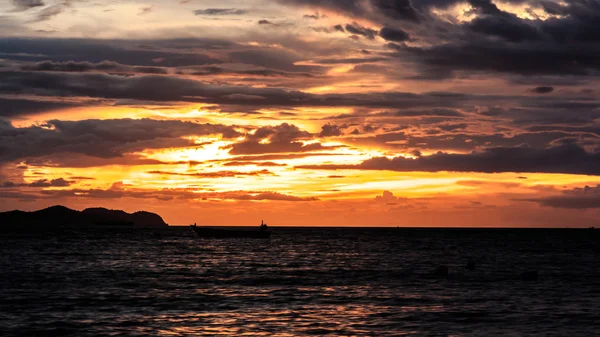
(304, 112)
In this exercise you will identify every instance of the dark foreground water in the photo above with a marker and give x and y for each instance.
(302, 282)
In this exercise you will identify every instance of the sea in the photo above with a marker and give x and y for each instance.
(301, 282)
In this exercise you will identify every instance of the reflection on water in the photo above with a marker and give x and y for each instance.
(338, 282)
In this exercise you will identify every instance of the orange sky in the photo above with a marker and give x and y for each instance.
(300, 112)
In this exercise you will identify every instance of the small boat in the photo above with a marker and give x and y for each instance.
(207, 232)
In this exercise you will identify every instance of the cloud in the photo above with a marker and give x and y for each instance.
(506, 26)
(255, 163)
(75, 160)
(51, 11)
(460, 140)
(440, 112)
(27, 4)
(578, 198)
(275, 139)
(104, 66)
(452, 127)
(355, 28)
(392, 34)
(265, 196)
(398, 9)
(146, 10)
(351, 60)
(370, 9)
(279, 156)
(542, 90)
(218, 174)
(249, 147)
(315, 16)
(220, 11)
(330, 130)
(59, 182)
(499, 41)
(100, 138)
(174, 89)
(386, 197)
(567, 158)
(20, 107)
(119, 190)
(246, 71)
(126, 52)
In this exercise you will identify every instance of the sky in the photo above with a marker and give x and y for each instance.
(304, 112)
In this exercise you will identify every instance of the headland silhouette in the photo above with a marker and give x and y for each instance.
(61, 216)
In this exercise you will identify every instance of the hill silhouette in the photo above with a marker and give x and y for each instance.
(61, 216)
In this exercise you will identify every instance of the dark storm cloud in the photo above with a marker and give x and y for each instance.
(499, 41)
(351, 7)
(100, 138)
(260, 72)
(393, 9)
(356, 29)
(566, 158)
(508, 27)
(171, 53)
(351, 60)
(398, 9)
(591, 129)
(542, 90)
(578, 24)
(19, 107)
(75, 160)
(174, 89)
(104, 66)
(524, 59)
(452, 127)
(578, 198)
(422, 113)
(551, 110)
(220, 11)
(269, 58)
(145, 88)
(393, 34)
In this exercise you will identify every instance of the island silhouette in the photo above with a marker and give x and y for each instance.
(61, 216)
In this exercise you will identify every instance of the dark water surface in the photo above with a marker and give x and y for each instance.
(301, 282)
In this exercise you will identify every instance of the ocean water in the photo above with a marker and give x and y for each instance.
(301, 282)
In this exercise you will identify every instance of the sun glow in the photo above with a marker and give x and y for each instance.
(207, 148)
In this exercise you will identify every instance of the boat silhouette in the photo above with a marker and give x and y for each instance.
(218, 233)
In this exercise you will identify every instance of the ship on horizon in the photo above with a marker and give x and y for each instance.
(219, 233)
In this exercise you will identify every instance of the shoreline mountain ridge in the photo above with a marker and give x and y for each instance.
(62, 216)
